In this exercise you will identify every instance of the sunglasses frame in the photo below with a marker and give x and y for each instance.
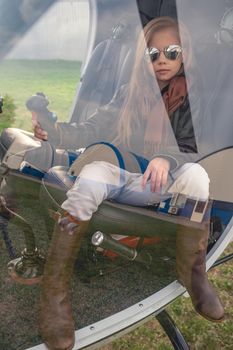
(166, 51)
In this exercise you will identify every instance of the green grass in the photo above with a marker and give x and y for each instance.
(8, 112)
(22, 78)
(199, 333)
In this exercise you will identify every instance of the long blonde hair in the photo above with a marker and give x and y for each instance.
(139, 89)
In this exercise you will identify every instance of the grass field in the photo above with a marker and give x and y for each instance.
(199, 333)
(58, 80)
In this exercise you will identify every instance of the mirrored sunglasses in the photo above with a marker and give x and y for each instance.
(171, 52)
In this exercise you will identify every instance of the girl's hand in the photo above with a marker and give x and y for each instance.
(157, 171)
(40, 133)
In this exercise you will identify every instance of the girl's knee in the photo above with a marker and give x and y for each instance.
(199, 175)
(198, 181)
(193, 181)
(101, 171)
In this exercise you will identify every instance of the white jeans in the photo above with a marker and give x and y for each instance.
(101, 180)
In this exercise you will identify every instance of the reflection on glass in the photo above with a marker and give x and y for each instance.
(152, 103)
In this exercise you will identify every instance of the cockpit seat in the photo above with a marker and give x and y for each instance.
(108, 69)
(111, 217)
(155, 220)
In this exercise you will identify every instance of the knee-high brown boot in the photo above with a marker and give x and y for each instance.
(191, 268)
(55, 318)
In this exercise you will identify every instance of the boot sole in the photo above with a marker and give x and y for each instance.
(210, 319)
(52, 348)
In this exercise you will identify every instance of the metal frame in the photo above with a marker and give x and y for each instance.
(222, 260)
(172, 331)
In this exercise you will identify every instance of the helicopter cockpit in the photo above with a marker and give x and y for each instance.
(79, 56)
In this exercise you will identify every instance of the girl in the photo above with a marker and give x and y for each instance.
(145, 126)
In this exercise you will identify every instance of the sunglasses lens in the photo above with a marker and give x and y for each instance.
(172, 52)
(152, 54)
(171, 55)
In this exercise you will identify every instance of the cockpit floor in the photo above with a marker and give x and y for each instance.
(101, 286)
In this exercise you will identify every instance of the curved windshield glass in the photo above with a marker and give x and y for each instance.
(47, 58)
(116, 124)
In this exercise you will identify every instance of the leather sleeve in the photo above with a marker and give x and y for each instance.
(183, 128)
(186, 124)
